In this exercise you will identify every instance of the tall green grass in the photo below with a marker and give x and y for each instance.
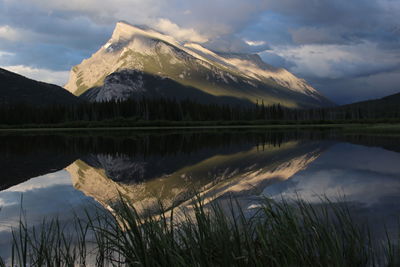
(284, 233)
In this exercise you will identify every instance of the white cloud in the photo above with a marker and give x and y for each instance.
(16, 34)
(44, 75)
(57, 178)
(329, 183)
(3, 53)
(254, 43)
(9, 34)
(338, 61)
(181, 34)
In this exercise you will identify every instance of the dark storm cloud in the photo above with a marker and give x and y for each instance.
(364, 37)
(83, 26)
(276, 60)
(355, 75)
(52, 40)
(339, 21)
(352, 89)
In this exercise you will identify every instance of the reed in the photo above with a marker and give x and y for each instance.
(278, 233)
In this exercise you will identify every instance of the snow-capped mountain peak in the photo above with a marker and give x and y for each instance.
(234, 75)
(124, 32)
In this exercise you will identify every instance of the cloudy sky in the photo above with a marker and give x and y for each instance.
(348, 50)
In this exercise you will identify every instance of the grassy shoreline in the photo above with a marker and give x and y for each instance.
(283, 126)
(347, 128)
(284, 233)
(369, 126)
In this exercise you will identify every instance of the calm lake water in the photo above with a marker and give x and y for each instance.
(63, 174)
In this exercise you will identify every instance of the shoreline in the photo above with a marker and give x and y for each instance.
(392, 127)
(276, 126)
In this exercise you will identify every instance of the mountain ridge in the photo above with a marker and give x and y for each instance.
(18, 89)
(243, 76)
(393, 99)
(384, 107)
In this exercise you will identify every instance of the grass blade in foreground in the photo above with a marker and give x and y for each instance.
(281, 233)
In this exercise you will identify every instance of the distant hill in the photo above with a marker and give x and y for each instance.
(190, 65)
(387, 101)
(16, 89)
(386, 107)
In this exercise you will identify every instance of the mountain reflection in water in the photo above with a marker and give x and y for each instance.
(171, 165)
(214, 172)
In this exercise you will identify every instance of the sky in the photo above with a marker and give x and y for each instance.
(348, 50)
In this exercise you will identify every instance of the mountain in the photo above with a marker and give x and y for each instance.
(384, 103)
(126, 64)
(129, 83)
(15, 89)
(384, 108)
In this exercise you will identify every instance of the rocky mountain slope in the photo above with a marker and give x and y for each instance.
(114, 72)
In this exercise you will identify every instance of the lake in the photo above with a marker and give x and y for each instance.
(65, 174)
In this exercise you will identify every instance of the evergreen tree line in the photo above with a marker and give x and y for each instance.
(187, 110)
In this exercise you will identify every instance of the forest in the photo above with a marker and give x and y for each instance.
(148, 110)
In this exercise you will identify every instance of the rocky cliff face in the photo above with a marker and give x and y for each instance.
(240, 76)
